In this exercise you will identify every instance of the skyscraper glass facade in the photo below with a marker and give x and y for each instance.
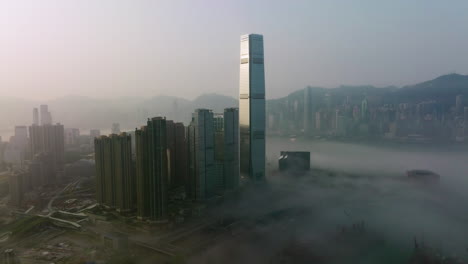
(252, 107)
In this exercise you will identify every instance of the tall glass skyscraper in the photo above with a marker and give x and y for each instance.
(252, 107)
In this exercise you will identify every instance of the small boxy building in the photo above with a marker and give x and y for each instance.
(294, 161)
(423, 176)
(115, 240)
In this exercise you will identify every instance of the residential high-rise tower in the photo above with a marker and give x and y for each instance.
(201, 152)
(50, 139)
(231, 148)
(308, 112)
(115, 128)
(124, 172)
(35, 116)
(46, 117)
(152, 169)
(115, 176)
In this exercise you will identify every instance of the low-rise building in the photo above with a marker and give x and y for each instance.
(294, 161)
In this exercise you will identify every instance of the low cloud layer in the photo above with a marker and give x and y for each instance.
(371, 189)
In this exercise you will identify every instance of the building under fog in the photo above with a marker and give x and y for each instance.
(72, 136)
(104, 171)
(17, 150)
(231, 148)
(459, 105)
(152, 170)
(115, 174)
(252, 107)
(46, 116)
(202, 178)
(308, 112)
(49, 139)
(176, 154)
(115, 128)
(213, 141)
(94, 133)
(43, 169)
(19, 182)
(35, 117)
(294, 161)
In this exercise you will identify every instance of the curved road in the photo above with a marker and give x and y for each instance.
(49, 205)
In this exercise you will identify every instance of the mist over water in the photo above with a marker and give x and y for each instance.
(371, 188)
(389, 160)
(307, 69)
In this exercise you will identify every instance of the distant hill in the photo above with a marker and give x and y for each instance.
(87, 113)
(442, 89)
(130, 112)
(215, 102)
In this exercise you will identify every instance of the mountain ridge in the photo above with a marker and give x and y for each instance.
(86, 112)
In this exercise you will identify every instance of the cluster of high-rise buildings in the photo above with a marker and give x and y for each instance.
(202, 160)
(369, 117)
(45, 116)
(35, 155)
(29, 141)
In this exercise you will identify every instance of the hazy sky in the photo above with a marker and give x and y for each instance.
(98, 48)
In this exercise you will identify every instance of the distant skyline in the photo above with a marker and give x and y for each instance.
(115, 48)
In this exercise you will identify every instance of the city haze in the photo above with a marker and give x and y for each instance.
(105, 49)
(211, 131)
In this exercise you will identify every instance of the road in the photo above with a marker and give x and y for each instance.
(51, 209)
(49, 205)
